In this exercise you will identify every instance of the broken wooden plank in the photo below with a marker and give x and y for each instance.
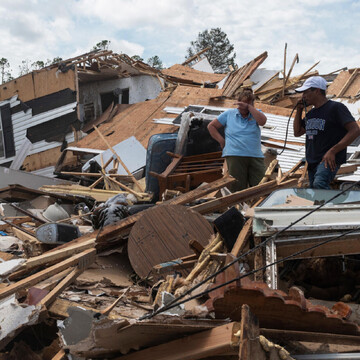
(243, 195)
(242, 238)
(97, 194)
(53, 256)
(250, 347)
(218, 341)
(310, 336)
(44, 274)
(58, 289)
(116, 232)
(119, 159)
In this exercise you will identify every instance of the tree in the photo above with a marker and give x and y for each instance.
(37, 65)
(155, 62)
(220, 55)
(102, 45)
(5, 75)
(137, 58)
(55, 60)
(25, 67)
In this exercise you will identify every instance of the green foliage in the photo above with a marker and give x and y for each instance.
(155, 62)
(137, 58)
(55, 60)
(220, 55)
(37, 65)
(102, 45)
(5, 74)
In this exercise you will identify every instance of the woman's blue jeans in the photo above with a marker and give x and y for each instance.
(320, 177)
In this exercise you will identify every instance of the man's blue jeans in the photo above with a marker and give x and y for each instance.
(320, 177)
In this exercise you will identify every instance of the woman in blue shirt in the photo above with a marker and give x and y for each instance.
(242, 143)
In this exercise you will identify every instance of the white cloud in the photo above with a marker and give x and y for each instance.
(325, 30)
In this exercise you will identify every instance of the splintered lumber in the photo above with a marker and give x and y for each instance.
(98, 194)
(54, 255)
(243, 195)
(60, 355)
(296, 59)
(303, 175)
(309, 336)
(58, 289)
(284, 72)
(221, 340)
(201, 191)
(116, 232)
(108, 310)
(51, 282)
(119, 159)
(242, 238)
(44, 274)
(269, 171)
(250, 347)
(283, 177)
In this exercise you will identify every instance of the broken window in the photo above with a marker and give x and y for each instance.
(107, 99)
(89, 112)
(125, 96)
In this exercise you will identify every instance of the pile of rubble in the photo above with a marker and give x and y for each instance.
(140, 250)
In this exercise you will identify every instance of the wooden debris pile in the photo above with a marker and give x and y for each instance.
(104, 270)
(185, 273)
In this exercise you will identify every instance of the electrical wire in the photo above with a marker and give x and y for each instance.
(256, 270)
(175, 302)
(288, 123)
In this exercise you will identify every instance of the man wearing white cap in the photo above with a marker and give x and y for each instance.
(329, 128)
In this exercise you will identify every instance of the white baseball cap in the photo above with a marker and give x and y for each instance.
(313, 82)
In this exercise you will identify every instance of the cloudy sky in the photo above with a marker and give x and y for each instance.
(318, 30)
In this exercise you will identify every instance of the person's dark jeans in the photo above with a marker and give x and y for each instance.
(320, 177)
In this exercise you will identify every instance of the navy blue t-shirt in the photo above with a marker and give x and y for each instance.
(324, 128)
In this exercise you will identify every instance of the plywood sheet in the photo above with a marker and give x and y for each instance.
(336, 86)
(22, 86)
(37, 84)
(49, 81)
(163, 233)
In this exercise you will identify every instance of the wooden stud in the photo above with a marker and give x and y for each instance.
(220, 340)
(119, 159)
(250, 347)
(44, 274)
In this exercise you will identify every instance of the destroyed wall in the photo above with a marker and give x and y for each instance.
(94, 97)
(38, 113)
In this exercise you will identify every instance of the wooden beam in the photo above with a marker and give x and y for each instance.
(284, 72)
(269, 171)
(189, 60)
(348, 82)
(57, 255)
(296, 59)
(44, 274)
(60, 355)
(250, 347)
(242, 238)
(338, 247)
(119, 159)
(58, 289)
(243, 195)
(323, 338)
(218, 341)
(303, 175)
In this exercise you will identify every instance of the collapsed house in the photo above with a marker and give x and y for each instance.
(172, 265)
